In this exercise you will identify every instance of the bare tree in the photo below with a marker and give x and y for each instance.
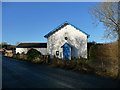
(107, 13)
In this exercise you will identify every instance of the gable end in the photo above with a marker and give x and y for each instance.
(61, 26)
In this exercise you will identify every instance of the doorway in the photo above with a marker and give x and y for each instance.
(66, 51)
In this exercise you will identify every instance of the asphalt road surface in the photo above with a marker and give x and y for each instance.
(0, 71)
(22, 74)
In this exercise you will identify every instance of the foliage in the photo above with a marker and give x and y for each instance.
(33, 54)
(8, 46)
(4, 45)
(108, 13)
(105, 66)
(89, 44)
(92, 52)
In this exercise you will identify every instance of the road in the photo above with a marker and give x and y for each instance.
(22, 74)
(0, 71)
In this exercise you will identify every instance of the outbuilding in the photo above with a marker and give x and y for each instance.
(25, 47)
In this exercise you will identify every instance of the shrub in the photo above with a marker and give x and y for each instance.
(92, 52)
(33, 54)
(23, 53)
(17, 55)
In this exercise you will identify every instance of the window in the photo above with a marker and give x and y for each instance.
(66, 38)
(57, 53)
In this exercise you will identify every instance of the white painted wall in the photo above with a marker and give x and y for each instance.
(20, 50)
(75, 38)
(25, 50)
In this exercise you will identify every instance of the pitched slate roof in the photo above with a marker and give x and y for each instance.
(32, 45)
(61, 26)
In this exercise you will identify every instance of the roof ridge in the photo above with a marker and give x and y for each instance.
(31, 43)
(66, 22)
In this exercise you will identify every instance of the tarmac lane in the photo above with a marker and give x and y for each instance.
(23, 74)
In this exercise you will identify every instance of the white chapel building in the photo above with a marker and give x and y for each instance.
(66, 42)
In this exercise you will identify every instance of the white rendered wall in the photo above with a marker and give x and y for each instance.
(20, 50)
(42, 50)
(76, 38)
(25, 50)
